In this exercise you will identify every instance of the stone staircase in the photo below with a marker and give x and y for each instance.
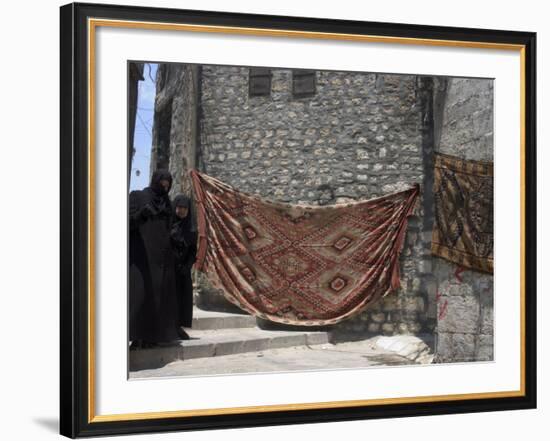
(216, 333)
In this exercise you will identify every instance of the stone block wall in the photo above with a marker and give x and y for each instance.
(359, 136)
(464, 300)
(175, 128)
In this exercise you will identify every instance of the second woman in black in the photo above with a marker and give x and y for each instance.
(184, 244)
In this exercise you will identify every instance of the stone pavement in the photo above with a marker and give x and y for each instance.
(229, 343)
(359, 354)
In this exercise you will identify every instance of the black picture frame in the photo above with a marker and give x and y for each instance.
(76, 417)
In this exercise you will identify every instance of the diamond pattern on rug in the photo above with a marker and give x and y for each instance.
(299, 264)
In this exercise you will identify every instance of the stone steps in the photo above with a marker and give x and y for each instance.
(203, 320)
(215, 333)
(219, 342)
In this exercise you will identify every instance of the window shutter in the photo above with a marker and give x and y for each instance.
(259, 81)
(303, 82)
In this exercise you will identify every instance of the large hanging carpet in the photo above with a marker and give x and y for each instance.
(463, 224)
(299, 264)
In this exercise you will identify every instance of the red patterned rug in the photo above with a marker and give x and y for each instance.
(299, 264)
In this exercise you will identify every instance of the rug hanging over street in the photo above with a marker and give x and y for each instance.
(463, 224)
(299, 264)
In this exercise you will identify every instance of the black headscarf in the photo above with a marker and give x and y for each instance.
(182, 200)
(159, 175)
(182, 229)
(160, 200)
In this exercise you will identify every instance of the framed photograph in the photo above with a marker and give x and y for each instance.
(278, 220)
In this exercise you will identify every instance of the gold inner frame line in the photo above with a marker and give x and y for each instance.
(92, 25)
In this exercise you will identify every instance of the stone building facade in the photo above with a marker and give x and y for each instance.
(464, 300)
(357, 136)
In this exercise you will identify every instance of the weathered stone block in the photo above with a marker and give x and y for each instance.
(455, 288)
(373, 327)
(464, 347)
(412, 304)
(425, 266)
(444, 347)
(378, 317)
(485, 348)
(403, 328)
(487, 319)
(459, 314)
(390, 303)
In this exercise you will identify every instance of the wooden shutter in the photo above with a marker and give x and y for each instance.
(259, 81)
(303, 82)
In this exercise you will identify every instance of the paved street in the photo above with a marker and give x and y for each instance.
(314, 357)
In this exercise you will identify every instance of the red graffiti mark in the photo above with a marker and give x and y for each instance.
(441, 306)
(458, 272)
(443, 310)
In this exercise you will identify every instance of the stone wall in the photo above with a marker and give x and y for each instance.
(465, 299)
(175, 128)
(135, 75)
(359, 136)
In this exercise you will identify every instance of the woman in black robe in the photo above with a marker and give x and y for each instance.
(152, 280)
(184, 245)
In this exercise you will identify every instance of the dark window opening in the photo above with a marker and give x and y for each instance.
(303, 82)
(259, 81)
